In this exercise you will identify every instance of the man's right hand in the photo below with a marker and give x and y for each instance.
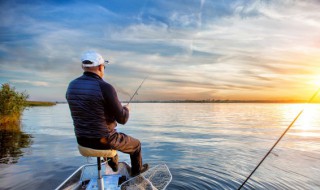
(128, 107)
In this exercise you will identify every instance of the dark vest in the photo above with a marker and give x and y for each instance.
(94, 106)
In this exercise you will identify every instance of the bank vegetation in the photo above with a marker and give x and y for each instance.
(12, 103)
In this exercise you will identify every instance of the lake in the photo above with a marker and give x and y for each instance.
(206, 146)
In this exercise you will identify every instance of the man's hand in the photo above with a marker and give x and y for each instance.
(128, 107)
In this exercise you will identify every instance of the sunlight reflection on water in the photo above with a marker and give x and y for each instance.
(206, 146)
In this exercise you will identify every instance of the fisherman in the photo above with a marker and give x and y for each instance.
(96, 110)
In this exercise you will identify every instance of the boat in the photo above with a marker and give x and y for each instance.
(86, 177)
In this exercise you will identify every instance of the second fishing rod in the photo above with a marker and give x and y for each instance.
(279, 139)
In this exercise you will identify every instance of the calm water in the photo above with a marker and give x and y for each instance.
(206, 146)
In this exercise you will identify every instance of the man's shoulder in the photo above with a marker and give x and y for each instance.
(76, 79)
(105, 85)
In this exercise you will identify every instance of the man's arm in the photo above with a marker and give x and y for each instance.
(113, 105)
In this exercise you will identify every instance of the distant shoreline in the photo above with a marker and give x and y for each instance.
(224, 101)
(40, 103)
(219, 101)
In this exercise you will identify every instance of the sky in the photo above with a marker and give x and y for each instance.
(190, 49)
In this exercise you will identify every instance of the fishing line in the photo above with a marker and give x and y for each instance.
(136, 92)
(275, 144)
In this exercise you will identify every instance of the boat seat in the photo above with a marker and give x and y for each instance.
(89, 152)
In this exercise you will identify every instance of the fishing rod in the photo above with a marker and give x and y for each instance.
(275, 144)
(136, 92)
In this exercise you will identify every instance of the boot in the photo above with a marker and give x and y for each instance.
(113, 163)
(144, 168)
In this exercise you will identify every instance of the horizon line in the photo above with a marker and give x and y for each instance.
(207, 101)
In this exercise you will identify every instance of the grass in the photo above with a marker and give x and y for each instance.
(12, 104)
(40, 103)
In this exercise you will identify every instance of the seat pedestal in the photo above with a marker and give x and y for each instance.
(89, 152)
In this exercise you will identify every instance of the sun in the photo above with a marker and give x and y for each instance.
(308, 119)
(316, 81)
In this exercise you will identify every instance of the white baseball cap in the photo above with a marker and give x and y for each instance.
(94, 57)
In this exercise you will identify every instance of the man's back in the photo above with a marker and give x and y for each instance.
(93, 106)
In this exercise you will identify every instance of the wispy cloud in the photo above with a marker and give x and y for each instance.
(213, 48)
(33, 83)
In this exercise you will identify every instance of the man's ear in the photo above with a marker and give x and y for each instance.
(101, 68)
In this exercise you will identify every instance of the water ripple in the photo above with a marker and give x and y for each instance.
(206, 146)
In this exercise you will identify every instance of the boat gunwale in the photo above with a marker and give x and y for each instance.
(66, 180)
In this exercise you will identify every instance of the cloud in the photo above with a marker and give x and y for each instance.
(33, 83)
(209, 47)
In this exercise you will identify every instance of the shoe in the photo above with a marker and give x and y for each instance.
(113, 166)
(144, 168)
(113, 163)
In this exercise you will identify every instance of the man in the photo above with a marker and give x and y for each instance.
(96, 110)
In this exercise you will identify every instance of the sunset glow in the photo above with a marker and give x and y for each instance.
(308, 118)
(316, 81)
(236, 50)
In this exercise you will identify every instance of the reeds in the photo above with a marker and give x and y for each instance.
(12, 104)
